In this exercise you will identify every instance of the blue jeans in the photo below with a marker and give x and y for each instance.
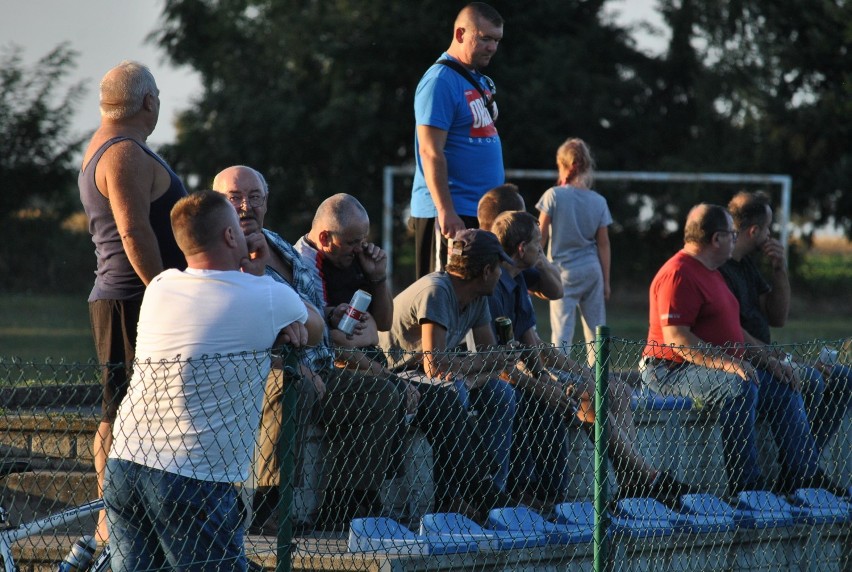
(159, 520)
(739, 402)
(496, 405)
(826, 400)
(539, 452)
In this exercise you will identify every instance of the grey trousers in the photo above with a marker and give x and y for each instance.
(362, 417)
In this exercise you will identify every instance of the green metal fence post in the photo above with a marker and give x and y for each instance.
(601, 548)
(286, 449)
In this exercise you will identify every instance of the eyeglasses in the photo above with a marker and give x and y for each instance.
(253, 200)
(734, 234)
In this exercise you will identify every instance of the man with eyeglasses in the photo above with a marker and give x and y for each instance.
(826, 387)
(327, 393)
(457, 147)
(695, 349)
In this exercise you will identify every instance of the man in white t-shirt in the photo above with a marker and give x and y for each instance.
(185, 432)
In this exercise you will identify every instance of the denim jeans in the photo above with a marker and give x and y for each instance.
(159, 520)
(496, 406)
(739, 402)
(540, 452)
(826, 399)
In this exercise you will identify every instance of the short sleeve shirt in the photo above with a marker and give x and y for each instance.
(575, 217)
(433, 299)
(447, 101)
(686, 293)
(748, 285)
(510, 299)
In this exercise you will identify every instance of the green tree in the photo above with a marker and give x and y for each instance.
(38, 150)
(319, 95)
(783, 76)
(38, 155)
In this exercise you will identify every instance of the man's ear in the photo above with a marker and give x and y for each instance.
(148, 102)
(324, 238)
(459, 35)
(230, 237)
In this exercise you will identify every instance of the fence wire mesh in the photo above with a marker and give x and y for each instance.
(486, 469)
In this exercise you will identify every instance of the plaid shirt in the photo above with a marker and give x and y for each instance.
(321, 356)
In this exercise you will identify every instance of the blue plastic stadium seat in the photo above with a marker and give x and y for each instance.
(708, 505)
(643, 398)
(769, 509)
(522, 519)
(581, 513)
(458, 527)
(822, 506)
(388, 536)
(651, 514)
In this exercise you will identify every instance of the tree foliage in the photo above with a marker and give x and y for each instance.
(319, 95)
(784, 75)
(38, 149)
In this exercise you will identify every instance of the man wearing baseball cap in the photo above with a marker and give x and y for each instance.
(431, 319)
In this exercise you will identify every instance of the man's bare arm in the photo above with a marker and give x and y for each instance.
(695, 350)
(432, 141)
(126, 175)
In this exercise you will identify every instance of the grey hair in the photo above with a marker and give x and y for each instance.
(123, 90)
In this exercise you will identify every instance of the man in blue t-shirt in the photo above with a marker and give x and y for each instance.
(458, 151)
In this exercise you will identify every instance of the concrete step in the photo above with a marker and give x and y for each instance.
(47, 435)
(36, 494)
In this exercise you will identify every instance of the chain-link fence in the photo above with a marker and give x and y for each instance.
(538, 464)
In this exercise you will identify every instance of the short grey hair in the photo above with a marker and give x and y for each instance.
(123, 90)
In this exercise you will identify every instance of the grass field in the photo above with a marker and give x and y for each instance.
(34, 328)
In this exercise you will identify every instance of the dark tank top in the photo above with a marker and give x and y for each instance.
(115, 278)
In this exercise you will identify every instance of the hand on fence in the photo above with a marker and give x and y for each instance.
(784, 371)
(316, 379)
(295, 334)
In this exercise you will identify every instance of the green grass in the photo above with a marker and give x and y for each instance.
(37, 327)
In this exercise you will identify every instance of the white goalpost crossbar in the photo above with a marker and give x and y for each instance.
(784, 181)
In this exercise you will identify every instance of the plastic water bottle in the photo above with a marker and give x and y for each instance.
(81, 555)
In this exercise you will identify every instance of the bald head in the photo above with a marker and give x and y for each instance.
(124, 88)
(239, 177)
(339, 213)
(703, 221)
(247, 190)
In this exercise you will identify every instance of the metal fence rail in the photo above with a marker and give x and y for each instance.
(588, 474)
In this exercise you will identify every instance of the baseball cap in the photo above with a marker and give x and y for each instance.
(475, 242)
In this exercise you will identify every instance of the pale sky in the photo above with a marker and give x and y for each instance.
(104, 32)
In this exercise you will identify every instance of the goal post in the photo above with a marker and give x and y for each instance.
(785, 182)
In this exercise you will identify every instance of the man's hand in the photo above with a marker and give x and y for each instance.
(337, 314)
(295, 334)
(785, 372)
(374, 261)
(258, 251)
(744, 370)
(773, 250)
(319, 384)
(449, 223)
